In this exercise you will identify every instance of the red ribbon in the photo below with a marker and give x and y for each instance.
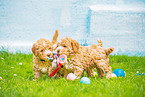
(56, 70)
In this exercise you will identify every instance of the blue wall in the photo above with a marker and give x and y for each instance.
(22, 22)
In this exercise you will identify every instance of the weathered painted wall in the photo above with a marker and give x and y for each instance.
(22, 22)
(120, 27)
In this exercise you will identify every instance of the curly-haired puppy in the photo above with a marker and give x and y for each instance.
(42, 50)
(84, 58)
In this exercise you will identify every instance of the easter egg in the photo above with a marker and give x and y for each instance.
(71, 76)
(85, 80)
(119, 72)
(114, 75)
(111, 76)
(62, 59)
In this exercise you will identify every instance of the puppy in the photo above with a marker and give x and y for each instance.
(42, 50)
(84, 58)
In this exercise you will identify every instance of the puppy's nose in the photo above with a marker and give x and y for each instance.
(58, 51)
(48, 55)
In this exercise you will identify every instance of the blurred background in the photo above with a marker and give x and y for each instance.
(118, 23)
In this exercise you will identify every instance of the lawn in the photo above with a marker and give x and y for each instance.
(16, 71)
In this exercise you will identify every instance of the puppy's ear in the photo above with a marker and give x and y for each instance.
(54, 40)
(34, 49)
(75, 46)
(109, 50)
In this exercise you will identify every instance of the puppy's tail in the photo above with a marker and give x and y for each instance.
(109, 50)
(54, 40)
(99, 43)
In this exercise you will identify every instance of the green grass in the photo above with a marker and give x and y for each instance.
(23, 85)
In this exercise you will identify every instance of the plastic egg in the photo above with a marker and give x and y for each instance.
(85, 80)
(111, 76)
(62, 59)
(119, 72)
(71, 76)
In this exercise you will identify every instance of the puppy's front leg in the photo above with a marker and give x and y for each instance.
(78, 71)
(37, 73)
(49, 70)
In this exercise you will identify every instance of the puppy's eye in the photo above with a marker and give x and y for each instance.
(41, 51)
(64, 46)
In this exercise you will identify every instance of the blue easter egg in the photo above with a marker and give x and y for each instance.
(119, 72)
(85, 80)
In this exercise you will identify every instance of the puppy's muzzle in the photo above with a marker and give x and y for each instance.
(49, 55)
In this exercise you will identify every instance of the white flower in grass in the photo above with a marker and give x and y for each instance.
(12, 67)
(137, 72)
(20, 63)
(2, 58)
(15, 74)
(1, 78)
(0, 88)
(34, 80)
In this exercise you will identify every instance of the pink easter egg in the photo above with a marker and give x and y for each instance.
(71, 76)
(62, 59)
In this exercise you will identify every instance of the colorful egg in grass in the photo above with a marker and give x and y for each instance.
(71, 77)
(119, 72)
(85, 80)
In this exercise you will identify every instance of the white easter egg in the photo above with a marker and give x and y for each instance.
(71, 76)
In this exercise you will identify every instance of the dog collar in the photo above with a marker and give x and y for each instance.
(42, 60)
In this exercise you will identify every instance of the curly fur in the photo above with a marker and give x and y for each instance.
(84, 58)
(42, 50)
